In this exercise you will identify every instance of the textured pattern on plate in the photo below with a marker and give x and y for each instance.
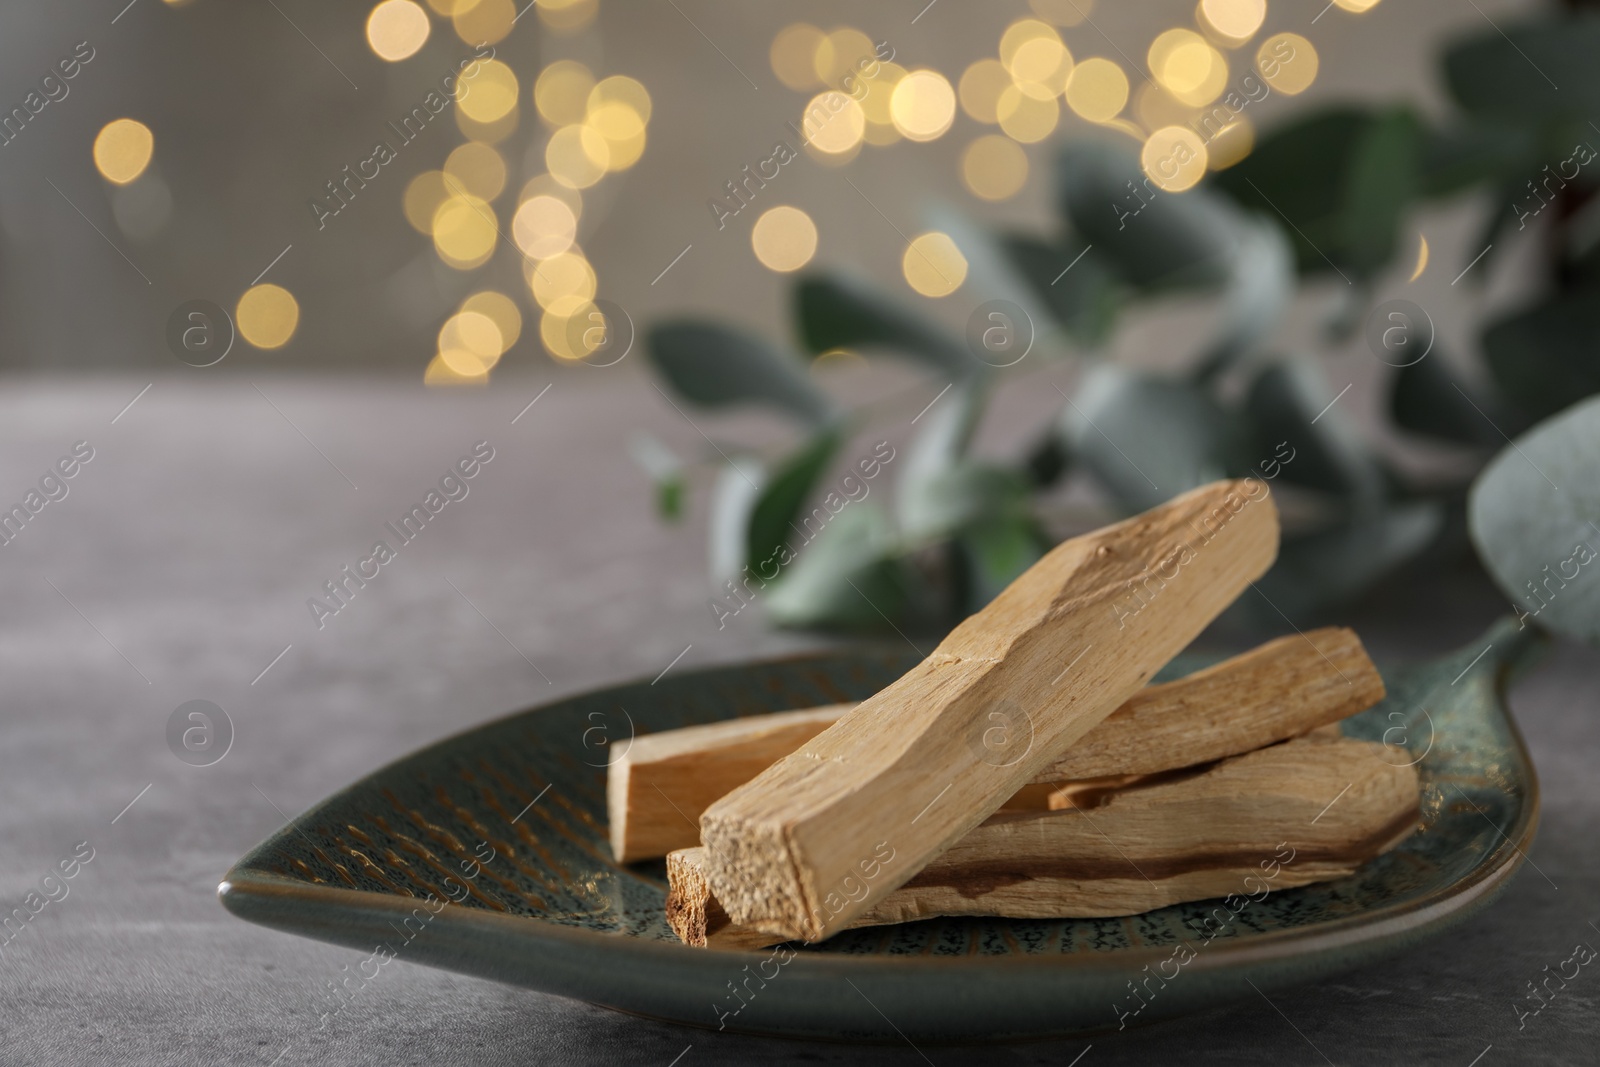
(532, 788)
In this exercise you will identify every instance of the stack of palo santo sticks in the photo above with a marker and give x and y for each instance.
(1024, 769)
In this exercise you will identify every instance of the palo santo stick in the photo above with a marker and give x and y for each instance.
(1250, 824)
(914, 765)
(657, 790)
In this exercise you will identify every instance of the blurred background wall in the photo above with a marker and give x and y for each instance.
(254, 107)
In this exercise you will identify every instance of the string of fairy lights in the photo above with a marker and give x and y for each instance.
(857, 96)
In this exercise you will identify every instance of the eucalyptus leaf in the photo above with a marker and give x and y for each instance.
(991, 274)
(772, 518)
(1146, 438)
(1545, 356)
(1154, 240)
(1299, 172)
(1333, 567)
(848, 577)
(1381, 179)
(1260, 284)
(715, 366)
(836, 310)
(1428, 397)
(1530, 72)
(1072, 281)
(1290, 401)
(1532, 514)
(733, 500)
(1459, 157)
(995, 551)
(921, 499)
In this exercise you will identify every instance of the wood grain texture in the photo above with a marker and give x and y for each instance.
(1308, 810)
(658, 789)
(936, 752)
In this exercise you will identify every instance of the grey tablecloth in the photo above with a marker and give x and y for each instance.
(177, 568)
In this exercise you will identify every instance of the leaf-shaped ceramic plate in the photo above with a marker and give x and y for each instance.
(509, 820)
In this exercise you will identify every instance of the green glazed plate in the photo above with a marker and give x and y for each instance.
(486, 854)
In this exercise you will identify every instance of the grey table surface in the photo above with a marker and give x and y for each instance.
(177, 568)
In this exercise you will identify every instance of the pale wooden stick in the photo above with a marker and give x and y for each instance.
(936, 752)
(658, 788)
(1252, 823)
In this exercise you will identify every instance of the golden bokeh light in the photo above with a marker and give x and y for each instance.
(1356, 6)
(1063, 12)
(1026, 118)
(470, 342)
(994, 167)
(267, 315)
(793, 55)
(980, 89)
(1097, 89)
(488, 132)
(492, 93)
(833, 123)
(396, 29)
(562, 282)
(1174, 158)
(621, 89)
(544, 226)
(933, 265)
(1235, 20)
(422, 198)
(877, 103)
(1020, 33)
(922, 105)
(502, 310)
(545, 185)
(1187, 66)
(450, 7)
(784, 238)
(841, 54)
(1287, 62)
(1040, 66)
(122, 150)
(574, 331)
(475, 168)
(623, 129)
(1155, 108)
(438, 374)
(1231, 144)
(464, 231)
(561, 92)
(485, 22)
(577, 156)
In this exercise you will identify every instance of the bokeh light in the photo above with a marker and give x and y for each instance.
(439, 374)
(492, 93)
(485, 22)
(502, 310)
(1040, 66)
(122, 150)
(793, 55)
(470, 343)
(475, 168)
(980, 89)
(842, 54)
(1174, 158)
(784, 238)
(561, 92)
(877, 104)
(1027, 118)
(577, 156)
(567, 16)
(422, 198)
(994, 167)
(1356, 6)
(1231, 144)
(267, 315)
(923, 105)
(464, 231)
(1236, 20)
(1097, 89)
(1187, 66)
(396, 29)
(1287, 62)
(1020, 33)
(562, 282)
(544, 226)
(933, 265)
(833, 122)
